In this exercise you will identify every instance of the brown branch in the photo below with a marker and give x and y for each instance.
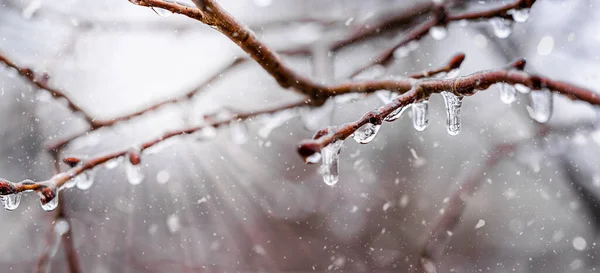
(440, 17)
(41, 81)
(462, 86)
(47, 188)
(186, 96)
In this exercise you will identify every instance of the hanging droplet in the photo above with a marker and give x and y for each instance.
(239, 132)
(508, 93)
(396, 114)
(366, 133)
(502, 27)
(330, 157)
(519, 15)
(11, 201)
(314, 158)
(541, 105)
(133, 169)
(438, 32)
(49, 199)
(522, 88)
(85, 180)
(207, 132)
(113, 163)
(453, 104)
(420, 115)
(61, 226)
(161, 12)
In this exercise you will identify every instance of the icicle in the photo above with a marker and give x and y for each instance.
(11, 201)
(239, 132)
(508, 93)
(519, 15)
(453, 104)
(502, 27)
(330, 165)
(366, 133)
(207, 132)
(52, 201)
(161, 12)
(85, 180)
(314, 158)
(438, 32)
(541, 105)
(133, 168)
(522, 88)
(396, 114)
(420, 115)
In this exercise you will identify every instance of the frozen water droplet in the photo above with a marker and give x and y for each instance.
(330, 158)
(502, 27)
(134, 173)
(11, 201)
(85, 180)
(52, 203)
(161, 12)
(420, 115)
(453, 104)
(508, 93)
(31, 9)
(579, 243)
(113, 163)
(480, 224)
(366, 133)
(438, 32)
(541, 105)
(61, 226)
(314, 158)
(453, 73)
(519, 15)
(522, 88)
(396, 114)
(207, 132)
(239, 132)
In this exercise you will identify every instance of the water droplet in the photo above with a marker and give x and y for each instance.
(396, 114)
(420, 115)
(453, 104)
(314, 158)
(207, 132)
(366, 133)
(61, 226)
(519, 15)
(85, 180)
(508, 93)
(11, 201)
(161, 12)
(239, 132)
(52, 203)
(134, 173)
(438, 32)
(579, 243)
(502, 27)
(330, 157)
(113, 163)
(540, 108)
(522, 88)
(480, 224)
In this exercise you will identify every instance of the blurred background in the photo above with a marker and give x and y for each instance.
(254, 206)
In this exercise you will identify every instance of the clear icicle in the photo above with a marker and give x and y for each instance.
(11, 201)
(396, 114)
(502, 27)
(330, 158)
(541, 105)
(366, 133)
(508, 93)
(438, 32)
(519, 15)
(85, 180)
(52, 203)
(239, 132)
(453, 104)
(134, 173)
(420, 115)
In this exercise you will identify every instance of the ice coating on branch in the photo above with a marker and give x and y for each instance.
(11, 201)
(453, 104)
(85, 180)
(540, 108)
(438, 32)
(366, 133)
(49, 198)
(508, 93)
(396, 114)
(520, 15)
(420, 115)
(502, 27)
(330, 156)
